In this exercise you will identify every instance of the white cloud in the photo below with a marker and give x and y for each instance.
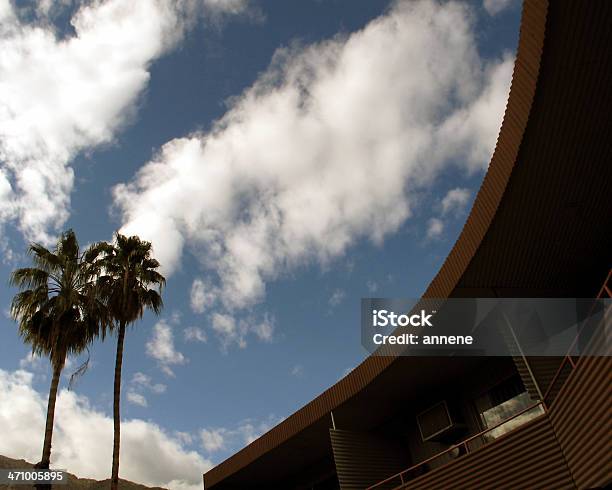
(455, 201)
(8, 256)
(251, 430)
(337, 297)
(212, 440)
(218, 10)
(34, 362)
(60, 96)
(51, 8)
(226, 6)
(494, 7)
(83, 436)
(221, 438)
(161, 348)
(481, 119)
(231, 331)
(194, 334)
(184, 437)
(326, 148)
(158, 388)
(435, 227)
(136, 398)
(297, 370)
(264, 329)
(142, 381)
(203, 295)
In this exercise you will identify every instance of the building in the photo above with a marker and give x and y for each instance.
(539, 228)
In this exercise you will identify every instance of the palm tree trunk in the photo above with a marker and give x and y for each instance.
(46, 454)
(116, 414)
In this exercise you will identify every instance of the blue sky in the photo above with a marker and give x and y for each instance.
(286, 159)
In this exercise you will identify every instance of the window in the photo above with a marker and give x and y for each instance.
(503, 402)
(434, 421)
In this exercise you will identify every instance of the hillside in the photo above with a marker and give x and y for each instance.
(73, 481)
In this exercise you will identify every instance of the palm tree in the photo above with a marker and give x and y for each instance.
(58, 310)
(129, 284)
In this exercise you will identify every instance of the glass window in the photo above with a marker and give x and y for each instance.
(503, 402)
(507, 409)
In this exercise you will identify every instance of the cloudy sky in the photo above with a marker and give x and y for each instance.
(284, 158)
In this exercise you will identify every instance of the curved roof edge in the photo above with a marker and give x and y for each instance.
(518, 107)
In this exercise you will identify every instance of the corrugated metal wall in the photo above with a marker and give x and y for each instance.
(364, 459)
(529, 457)
(581, 417)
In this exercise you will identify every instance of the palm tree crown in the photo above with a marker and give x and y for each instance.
(57, 308)
(130, 282)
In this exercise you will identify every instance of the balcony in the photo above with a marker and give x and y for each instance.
(557, 442)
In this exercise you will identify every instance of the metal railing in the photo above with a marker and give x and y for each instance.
(568, 359)
(463, 447)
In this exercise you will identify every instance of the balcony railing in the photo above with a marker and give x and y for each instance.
(568, 364)
(464, 447)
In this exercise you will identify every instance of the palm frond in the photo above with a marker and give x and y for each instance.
(28, 277)
(79, 372)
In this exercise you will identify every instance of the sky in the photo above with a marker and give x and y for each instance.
(285, 159)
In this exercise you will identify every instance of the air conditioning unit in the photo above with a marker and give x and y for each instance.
(436, 423)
